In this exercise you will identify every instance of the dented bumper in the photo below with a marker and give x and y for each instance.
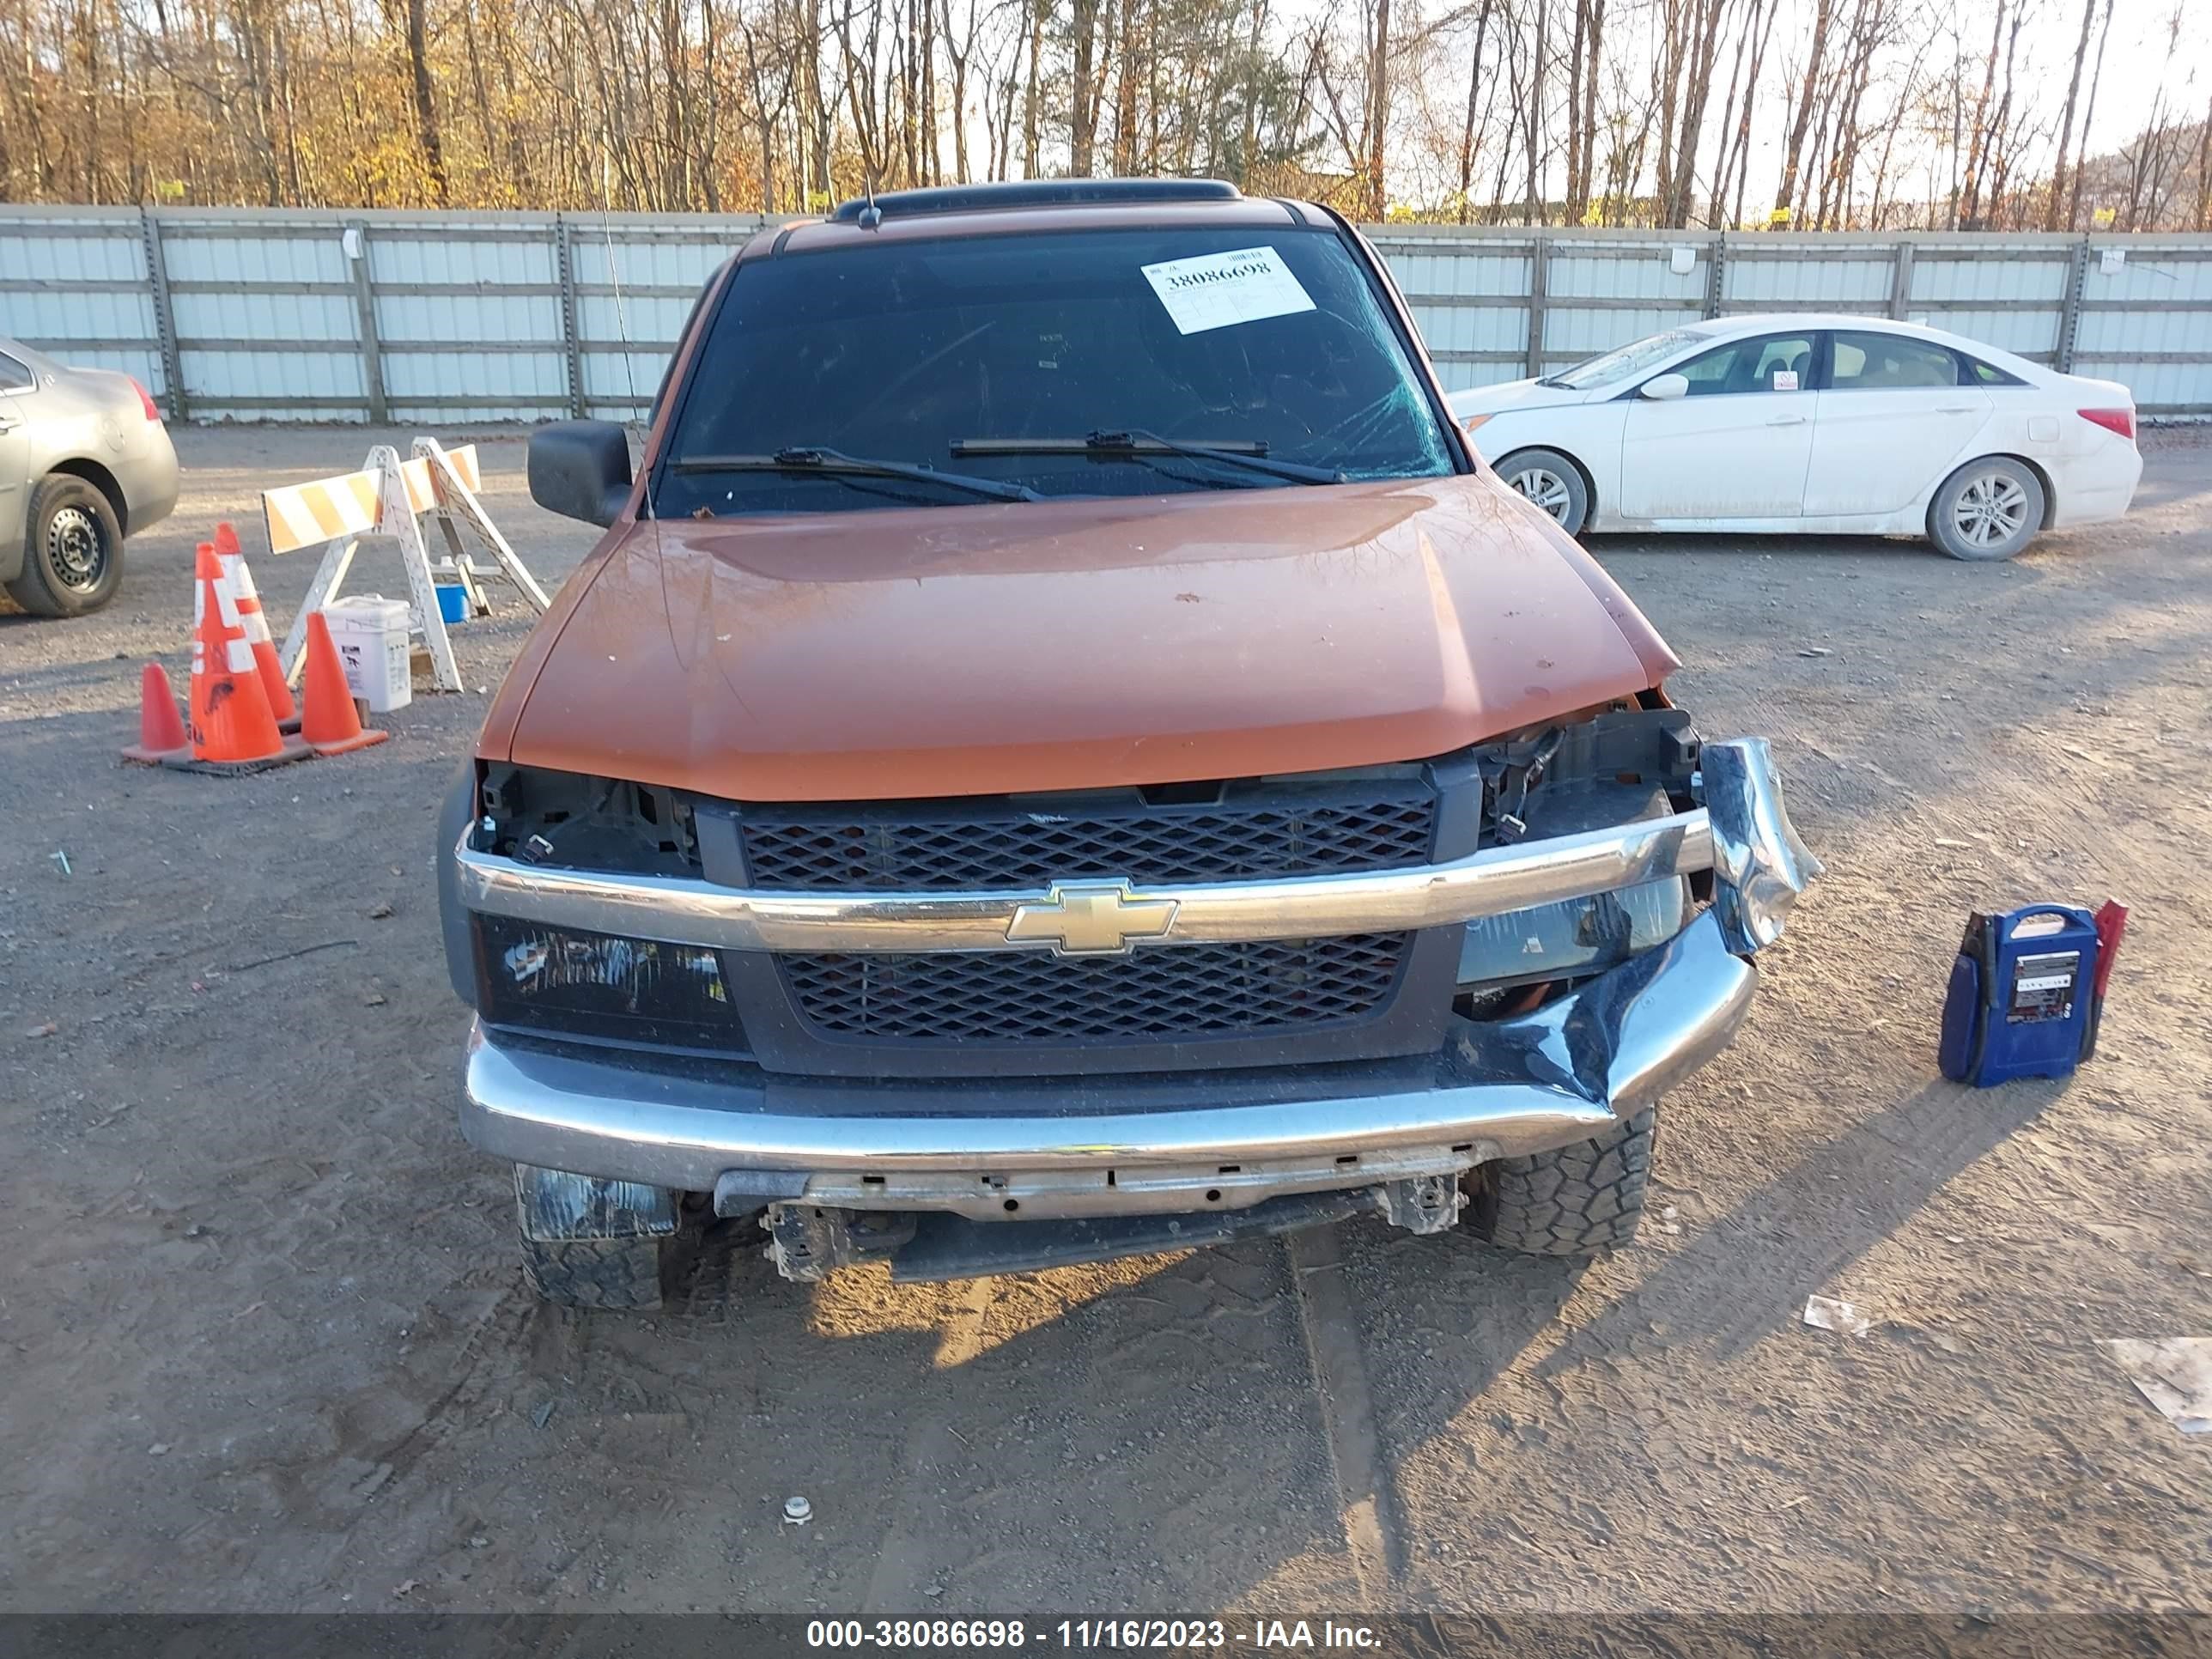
(1163, 1144)
(1563, 1074)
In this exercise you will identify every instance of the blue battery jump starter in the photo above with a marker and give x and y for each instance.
(2027, 992)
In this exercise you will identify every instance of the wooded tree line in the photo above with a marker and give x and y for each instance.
(1815, 114)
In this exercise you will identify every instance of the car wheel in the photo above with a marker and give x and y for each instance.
(623, 1269)
(1988, 509)
(72, 550)
(1550, 481)
(1576, 1200)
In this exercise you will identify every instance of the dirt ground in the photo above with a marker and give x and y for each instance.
(264, 1344)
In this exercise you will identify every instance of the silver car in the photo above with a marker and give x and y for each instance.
(84, 461)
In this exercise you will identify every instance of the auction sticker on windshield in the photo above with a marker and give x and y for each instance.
(1213, 290)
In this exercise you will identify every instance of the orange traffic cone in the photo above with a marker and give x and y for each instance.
(242, 592)
(331, 725)
(232, 727)
(160, 728)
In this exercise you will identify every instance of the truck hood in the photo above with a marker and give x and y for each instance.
(1070, 644)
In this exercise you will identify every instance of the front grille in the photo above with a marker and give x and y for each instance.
(1167, 991)
(1251, 832)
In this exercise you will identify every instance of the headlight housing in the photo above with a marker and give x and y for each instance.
(601, 987)
(1576, 938)
(1573, 938)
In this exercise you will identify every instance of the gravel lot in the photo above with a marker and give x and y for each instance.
(266, 1345)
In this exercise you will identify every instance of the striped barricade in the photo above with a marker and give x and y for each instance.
(350, 504)
(387, 497)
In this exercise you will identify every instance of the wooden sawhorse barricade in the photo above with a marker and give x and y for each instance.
(384, 498)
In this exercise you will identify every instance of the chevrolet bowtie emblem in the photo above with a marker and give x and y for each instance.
(1090, 918)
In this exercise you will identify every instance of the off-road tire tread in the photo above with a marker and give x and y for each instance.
(1574, 1200)
(613, 1274)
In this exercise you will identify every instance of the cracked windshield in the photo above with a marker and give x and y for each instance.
(951, 370)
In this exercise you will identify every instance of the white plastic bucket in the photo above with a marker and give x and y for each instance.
(370, 632)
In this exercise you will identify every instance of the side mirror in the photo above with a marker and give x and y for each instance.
(1663, 387)
(581, 470)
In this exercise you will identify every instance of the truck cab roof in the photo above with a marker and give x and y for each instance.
(1041, 204)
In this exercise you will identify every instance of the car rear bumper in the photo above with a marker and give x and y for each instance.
(2098, 486)
(150, 482)
(1066, 1147)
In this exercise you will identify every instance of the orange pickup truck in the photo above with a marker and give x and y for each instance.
(1064, 751)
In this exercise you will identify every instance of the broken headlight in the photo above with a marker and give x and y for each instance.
(597, 985)
(1573, 938)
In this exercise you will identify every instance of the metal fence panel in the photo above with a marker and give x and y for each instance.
(2174, 337)
(2029, 333)
(1626, 271)
(468, 319)
(1468, 297)
(2155, 272)
(2016, 302)
(1461, 334)
(264, 318)
(1844, 279)
(421, 318)
(76, 282)
(1570, 335)
(1945, 277)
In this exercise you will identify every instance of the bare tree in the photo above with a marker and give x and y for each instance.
(2057, 191)
(1735, 137)
(2089, 114)
(1785, 194)
(1474, 87)
(1481, 110)
(1536, 111)
(1378, 111)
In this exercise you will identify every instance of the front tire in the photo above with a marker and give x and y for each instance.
(72, 550)
(1574, 1200)
(1989, 509)
(1553, 482)
(594, 1243)
(618, 1273)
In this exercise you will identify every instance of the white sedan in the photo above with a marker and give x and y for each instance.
(1835, 424)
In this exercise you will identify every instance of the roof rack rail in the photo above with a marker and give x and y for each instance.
(1035, 192)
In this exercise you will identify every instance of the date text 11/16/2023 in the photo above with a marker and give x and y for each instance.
(1081, 1635)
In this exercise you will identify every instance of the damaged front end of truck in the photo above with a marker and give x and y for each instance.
(658, 1037)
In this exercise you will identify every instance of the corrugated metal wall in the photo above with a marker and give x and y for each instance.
(2148, 323)
(415, 319)
(421, 319)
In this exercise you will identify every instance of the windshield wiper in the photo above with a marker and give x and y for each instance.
(1133, 441)
(835, 463)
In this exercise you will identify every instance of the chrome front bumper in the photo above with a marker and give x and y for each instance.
(1024, 1149)
(1188, 1142)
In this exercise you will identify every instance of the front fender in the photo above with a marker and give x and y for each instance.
(459, 807)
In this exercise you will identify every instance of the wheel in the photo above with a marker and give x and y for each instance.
(1574, 1200)
(1552, 481)
(647, 1236)
(72, 550)
(597, 1272)
(1988, 509)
